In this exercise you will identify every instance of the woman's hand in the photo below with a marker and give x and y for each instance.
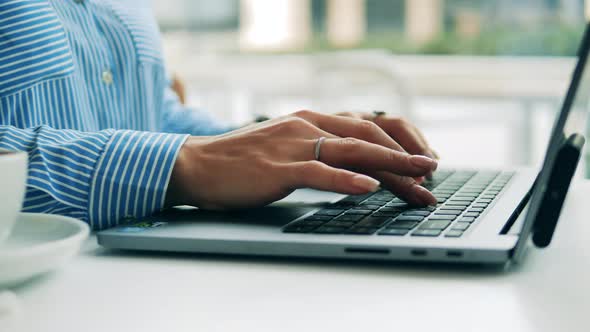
(262, 163)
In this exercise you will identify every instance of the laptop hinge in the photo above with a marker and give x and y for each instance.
(517, 212)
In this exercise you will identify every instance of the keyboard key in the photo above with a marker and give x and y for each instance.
(403, 224)
(390, 209)
(441, 195)
(454, 233)
(400, 205)
(362, 230)
(361, 212)
(475, 210)
(435, 224)
(308, 222)
(443, 191)
(443, 217)
(416, 213)
(319, 218)
(484, 200)
(330, 230)
(384, 194)
(340, 223)
(386, 214)
(469, 192)
(374, 222)
(377, 201)
(409, 218)
(354, 199)
(461, 204)
(480, 205)
(329, 212)
(461, 226)
(448, 212)
(466, 219)
(423, 208)
(471, 214)
(367, 207)
(426, 232)
(394, 231)
(465, 197)
(451, 208)
(349, 217)
(458, 202)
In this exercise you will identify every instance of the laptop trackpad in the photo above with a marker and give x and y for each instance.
(276, 214)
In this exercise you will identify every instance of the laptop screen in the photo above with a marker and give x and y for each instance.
(571, 119)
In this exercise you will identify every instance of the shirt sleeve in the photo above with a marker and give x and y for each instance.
(99, 177)
(177, 118)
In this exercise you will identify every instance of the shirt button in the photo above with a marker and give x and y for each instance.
(107, 77)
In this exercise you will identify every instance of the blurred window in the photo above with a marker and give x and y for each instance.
(479, 27)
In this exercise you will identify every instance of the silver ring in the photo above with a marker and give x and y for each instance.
(318, 146)
(377, 114)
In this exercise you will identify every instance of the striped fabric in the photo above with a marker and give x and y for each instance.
(83, 90)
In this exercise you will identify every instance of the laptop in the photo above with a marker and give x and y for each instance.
(483, 216)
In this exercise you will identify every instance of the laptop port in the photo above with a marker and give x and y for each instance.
(454, 253)
(418, 252)
(379, 251)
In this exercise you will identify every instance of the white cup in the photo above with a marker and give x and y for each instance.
(13, 181)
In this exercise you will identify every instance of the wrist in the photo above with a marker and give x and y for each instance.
(183, 173)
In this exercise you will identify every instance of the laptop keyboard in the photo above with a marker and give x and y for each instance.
(462, 197)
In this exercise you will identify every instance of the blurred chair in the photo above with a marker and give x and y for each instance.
(335, 82)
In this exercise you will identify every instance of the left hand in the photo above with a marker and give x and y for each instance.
(401, 130)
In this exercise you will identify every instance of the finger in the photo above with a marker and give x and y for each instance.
(351, 127)
(420, 179)
(403, 132)
(406, 188)
(354, 115)
(352, 153)
(317, 175)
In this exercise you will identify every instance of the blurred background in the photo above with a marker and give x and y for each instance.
(483, 79)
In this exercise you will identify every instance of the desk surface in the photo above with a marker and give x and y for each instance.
(105, 290)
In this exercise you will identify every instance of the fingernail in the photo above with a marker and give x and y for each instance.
(365, 183)
(424, 195)
(423, 162)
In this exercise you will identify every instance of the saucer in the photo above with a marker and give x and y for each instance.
(39, 243)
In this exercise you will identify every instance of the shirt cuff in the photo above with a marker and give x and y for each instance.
(132, 176)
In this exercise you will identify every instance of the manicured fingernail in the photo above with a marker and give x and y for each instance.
(424, 195)
(365, 183)
(423, 162)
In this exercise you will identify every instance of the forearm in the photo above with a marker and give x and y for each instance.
(98, 177)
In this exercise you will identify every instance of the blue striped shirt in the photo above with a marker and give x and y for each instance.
(83, 90)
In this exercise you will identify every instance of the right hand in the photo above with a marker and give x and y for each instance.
(262, 163)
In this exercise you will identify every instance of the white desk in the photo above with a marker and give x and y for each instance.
(114, 291)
